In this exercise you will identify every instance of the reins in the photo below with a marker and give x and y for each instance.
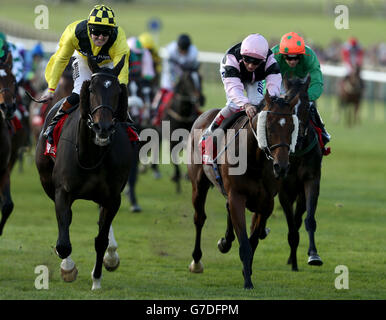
(268, 149)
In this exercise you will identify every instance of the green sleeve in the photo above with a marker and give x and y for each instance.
(316, 85)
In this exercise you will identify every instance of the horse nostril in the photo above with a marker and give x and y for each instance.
(280, 171)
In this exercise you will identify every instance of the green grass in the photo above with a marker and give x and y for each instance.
(213, 27)
(155, 246)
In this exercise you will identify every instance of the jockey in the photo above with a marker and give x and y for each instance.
(17, 58)
(352, 55)
(147, 42)
(140, 62)
(181, 54)
(243, 68)
(141, 71)
(297, 59)
(98, 37)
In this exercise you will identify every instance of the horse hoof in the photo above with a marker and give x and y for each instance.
(264, 233)
(315, 260)
(248, 286)
(69, 275)
(111, 262)
(136, 208)
(96, 283)
(221, 244)
(196, 267)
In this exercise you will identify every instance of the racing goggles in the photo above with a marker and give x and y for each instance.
(252, 60)
(97, 31)
(291, 57)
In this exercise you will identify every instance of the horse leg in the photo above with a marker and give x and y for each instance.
(132, 181)
(258, 226)
(106, 216)
(225, 244)
(237, 210)
(177, 178)
(199, 192)
(111, 258)
(311, 188)
(293, 232)
(6, 203)
(63, 248)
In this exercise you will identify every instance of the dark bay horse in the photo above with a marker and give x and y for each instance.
(350, 96)
(302, 183)
(92, 162)
(7, 108)
(183, 111)
(268, 139)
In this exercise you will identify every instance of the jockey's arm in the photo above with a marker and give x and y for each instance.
(315, 88)
(231, 78)
(272, 76)
(117, 50)
(61, 57)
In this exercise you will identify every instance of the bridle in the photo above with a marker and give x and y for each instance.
(90, 121)
(13, 94)
(261, 136)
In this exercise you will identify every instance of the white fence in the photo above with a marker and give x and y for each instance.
(375, 81)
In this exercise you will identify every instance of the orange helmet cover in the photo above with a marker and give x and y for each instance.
(292, 43)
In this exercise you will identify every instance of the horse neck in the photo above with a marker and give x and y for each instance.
(88, 150)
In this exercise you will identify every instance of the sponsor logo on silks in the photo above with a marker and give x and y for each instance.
(260, 87)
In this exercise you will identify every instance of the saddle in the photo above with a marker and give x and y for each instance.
(209, 144)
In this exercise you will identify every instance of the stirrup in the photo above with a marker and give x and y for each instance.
(48, 134)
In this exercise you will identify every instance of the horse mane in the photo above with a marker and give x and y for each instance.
(123, 104)
(84, 99)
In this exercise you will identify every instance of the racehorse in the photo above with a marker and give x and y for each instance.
(350, 96)
(92, 162)
(183, 111)
(39, 112)
(302, 183)
(265, 148)
(7, 108)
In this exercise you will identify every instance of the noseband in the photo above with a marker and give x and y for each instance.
(261, 135)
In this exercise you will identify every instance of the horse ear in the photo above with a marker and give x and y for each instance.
(267, 98)
(84, 99)
(92, 64)
(307, 81)
(117, 69)
(285, 80)
(8, 60)
(294, 101)
(123, 106)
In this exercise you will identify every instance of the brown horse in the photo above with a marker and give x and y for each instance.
(302, 183)
(350, 96)
(265, 148)
(183, 111)
(7, 107)
(93, 160)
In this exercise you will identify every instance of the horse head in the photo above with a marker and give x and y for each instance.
(277, 130)
(297, 86)
(103, 101)
(188, 89)
(7, 88)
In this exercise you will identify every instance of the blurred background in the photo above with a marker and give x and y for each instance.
(215, 25)
(156, 245)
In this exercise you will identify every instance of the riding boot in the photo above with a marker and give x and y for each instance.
(48, 133)
(316, 118)
(213, 126)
